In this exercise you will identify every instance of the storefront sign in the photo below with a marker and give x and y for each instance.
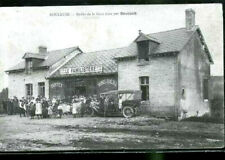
(54, 85)
(107, 81)
(87, 69)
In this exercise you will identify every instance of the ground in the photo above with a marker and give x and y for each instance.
(96, 133)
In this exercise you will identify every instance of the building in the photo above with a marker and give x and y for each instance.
(28, 78)
(85, 74)
(171, 68)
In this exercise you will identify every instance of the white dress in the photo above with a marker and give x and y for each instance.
(60, 107)
(75, 107)
(120, 103)
(63, 107)
(20, 105)
(50, 110)
(68, 108)
(38, 108)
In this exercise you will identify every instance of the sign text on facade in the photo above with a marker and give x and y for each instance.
(87, 69)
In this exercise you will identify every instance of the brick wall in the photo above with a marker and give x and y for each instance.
(17, 82)
(161, 72)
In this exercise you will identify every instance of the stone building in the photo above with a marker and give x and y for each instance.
(171, 68)
(28, 77)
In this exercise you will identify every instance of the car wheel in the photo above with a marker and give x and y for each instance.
(128, 112)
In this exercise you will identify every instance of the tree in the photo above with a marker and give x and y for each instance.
(3, 97)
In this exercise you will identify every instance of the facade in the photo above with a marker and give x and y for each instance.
(171, 68)
(28, 78)
(86, 74)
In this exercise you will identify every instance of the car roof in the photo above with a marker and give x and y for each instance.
(120, 92)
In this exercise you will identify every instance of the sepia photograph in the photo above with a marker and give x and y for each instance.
(111, 78)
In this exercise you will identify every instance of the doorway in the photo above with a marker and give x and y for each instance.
(81, 90)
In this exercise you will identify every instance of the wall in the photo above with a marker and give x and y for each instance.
(216, 88)
(161, 72)
(17, 82)
(193, 67)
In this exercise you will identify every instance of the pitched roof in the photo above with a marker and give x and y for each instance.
(99, 58)
(143, 37)
(50, 58)
(34, 55)
(170, 41)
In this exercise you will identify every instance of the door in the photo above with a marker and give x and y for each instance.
(81, 90)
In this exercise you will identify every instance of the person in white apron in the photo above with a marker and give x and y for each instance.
(68, 108)
(38, 110)
(50, 111)
(120, 102)
(75, 106)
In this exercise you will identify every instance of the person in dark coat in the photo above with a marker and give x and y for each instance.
(15, 105)
(9, 105)
(32, 109)
(101, 102)
(44, 108)
(4, 103)
(106, 105)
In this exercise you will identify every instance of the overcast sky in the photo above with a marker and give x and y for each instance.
(24, 29)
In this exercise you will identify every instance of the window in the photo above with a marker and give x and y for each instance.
(41, 89)
(183, 93)
(29, 90)
(143, 50)
(205, 89)
(29, 66)
(144, 86)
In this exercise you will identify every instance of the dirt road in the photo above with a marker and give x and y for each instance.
(95, 133)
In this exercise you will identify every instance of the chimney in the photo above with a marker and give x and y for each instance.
(42, 49)
(190, 19)
(139, 31)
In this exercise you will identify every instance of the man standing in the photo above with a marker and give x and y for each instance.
(9, 107)
(15, 105)
(44, 108)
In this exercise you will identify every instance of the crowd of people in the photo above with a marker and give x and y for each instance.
(42, 107)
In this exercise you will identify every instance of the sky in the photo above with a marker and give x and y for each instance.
(93, 28)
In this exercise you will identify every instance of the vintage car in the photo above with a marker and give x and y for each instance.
(120, 103)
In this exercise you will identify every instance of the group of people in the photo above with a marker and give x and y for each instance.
(41, 107)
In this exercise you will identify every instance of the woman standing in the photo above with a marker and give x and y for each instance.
(60, 109)
(32, 109)
(38, 110)
(75, 104)
(44, 108)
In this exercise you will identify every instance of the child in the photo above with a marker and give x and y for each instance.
(50, 108)
(60, 110)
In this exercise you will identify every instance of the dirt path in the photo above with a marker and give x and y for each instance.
(23, 134)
